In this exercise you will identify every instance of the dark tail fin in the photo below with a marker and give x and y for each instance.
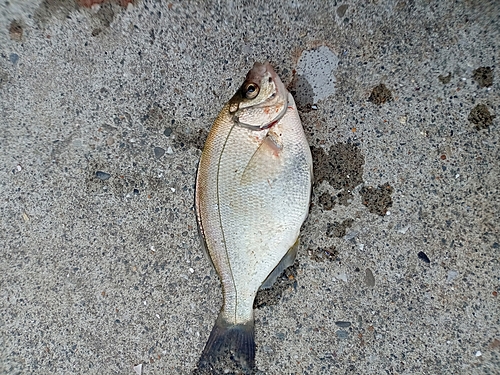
(229, 348)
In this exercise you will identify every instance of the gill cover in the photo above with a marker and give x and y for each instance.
(262, 99)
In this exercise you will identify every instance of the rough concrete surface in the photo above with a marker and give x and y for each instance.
(103, 113)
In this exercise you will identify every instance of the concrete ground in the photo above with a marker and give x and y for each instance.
(103, 114)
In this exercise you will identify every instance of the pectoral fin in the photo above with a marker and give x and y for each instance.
(284, 263)
(264, 160)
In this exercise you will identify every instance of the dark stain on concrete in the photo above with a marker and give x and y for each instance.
(195, 139)
(481, 117)
(341, 167)
(156, 118)
(62, 9)
(268, 297)
(323, 254)
(16, 31)
(380, 94)
(445, 79)
(326, 201)
(483, 76)
(378, 200)
(59, 9)
(337, 229)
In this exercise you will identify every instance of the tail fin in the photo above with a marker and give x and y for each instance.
(229, 348)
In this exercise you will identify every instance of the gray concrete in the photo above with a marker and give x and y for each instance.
(100, 272)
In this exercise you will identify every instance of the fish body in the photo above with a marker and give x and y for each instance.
(252, 195)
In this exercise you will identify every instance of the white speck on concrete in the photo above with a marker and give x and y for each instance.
(138, 369)
(478, 353)
(317, 66)
(452, 275)
(169, 150)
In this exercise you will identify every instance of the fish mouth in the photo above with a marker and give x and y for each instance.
(267, 109)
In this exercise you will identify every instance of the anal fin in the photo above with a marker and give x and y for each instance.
(284, 263)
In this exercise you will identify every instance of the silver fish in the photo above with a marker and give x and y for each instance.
(253, 189)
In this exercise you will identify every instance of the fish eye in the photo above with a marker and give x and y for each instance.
(251, 90)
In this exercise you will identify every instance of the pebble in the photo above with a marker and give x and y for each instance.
(424, 257)
(167, 132)
(343, 324)
(159, 152)
(169, 150)
(14, 58)
(102, 175)
(341, 334)
(369, 279)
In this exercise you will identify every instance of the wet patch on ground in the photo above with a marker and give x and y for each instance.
(326, 201)
(287, 280)
(378, 200)
(16, 31)
(483, 76)
(341, 167)
(323, 254)
(61, 9)
(195, 139)
(481, 117)
(337, 229)
(380, 94)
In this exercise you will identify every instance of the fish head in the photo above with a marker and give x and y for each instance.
(262, 99)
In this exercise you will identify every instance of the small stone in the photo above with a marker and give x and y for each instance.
(341, 334)
(167, 132)
(14, 58)
(138, 369)
(267, 349)
(169, 150)
(159, 152)
(341, 10)
(343, 324)
(424, 257)
(102, 175)
(342, 276)
(445, 79)
(478, 353)
(369, 279)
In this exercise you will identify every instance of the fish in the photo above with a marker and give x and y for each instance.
(252, 195)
